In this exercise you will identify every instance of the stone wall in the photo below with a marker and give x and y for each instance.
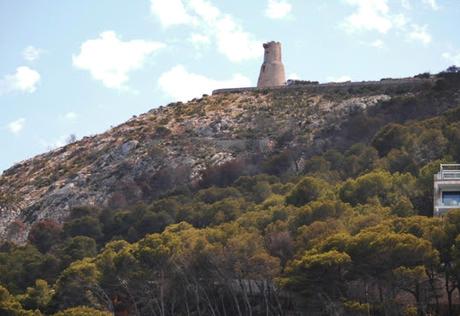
(404, 84)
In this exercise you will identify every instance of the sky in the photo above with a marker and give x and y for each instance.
(79, 67)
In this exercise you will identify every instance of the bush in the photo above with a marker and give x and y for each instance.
(37, 297)
(390, 137)
(307, 190)
(154, 222)
(279, 164)
(9, 306)
(83, 226)
(224, 174)
(360, 191)
(77, 248)
(402, 207)
(82, 311)
(400, 161)
(214, 194)
(45, 234)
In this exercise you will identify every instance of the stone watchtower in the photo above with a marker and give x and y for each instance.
(272, 70)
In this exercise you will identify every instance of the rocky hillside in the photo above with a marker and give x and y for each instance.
(208, 141)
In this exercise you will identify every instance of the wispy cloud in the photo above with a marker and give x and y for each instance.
(228, 36)
(170, 12)
(452, 57)
(16, 126)
(378, 43)
(71, 116)
(110, 59)
(420, 33)
(378, 16)
(278, 9)
(199, 40)
(31, 53)
(371, 15)
(194, 85)
(406, 4)
(433, 4)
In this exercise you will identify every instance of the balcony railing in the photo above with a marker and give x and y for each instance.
(449, 172)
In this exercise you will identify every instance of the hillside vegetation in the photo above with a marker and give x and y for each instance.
(287, 202)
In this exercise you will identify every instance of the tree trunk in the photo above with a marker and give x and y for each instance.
(432, 280)
(448, 290)
(162, 301)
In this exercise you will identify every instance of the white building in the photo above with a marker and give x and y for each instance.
(446, 189)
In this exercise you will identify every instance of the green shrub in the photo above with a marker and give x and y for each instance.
(307, 190)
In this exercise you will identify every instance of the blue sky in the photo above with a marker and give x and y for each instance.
(80, 67)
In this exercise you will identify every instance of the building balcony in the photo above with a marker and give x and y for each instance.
(446, 189)
(448, 172)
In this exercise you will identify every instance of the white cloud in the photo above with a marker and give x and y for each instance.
(278, 9)
(222, 29)
(199, 40)
(406, 4)
(372, 15)
(24, 79)
(170, 12)
(375, 15)
(183, 85)
(204, 10)
(70, 116)
(17, 126)
(432, 3)
(452, 57)
(110, 60)
(236, 44)
(378, 43)
(339, 79)
(31, 53)
(399, 21)
(420, 34)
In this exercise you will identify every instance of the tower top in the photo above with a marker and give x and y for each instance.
(272, 43)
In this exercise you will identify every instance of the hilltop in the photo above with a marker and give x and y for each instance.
(181, 146)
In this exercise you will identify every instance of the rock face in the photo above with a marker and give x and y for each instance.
(272, 71)
(171, 148)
